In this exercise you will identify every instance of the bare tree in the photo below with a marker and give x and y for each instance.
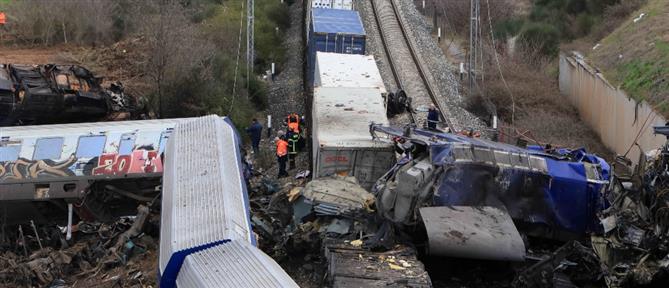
(49, 22)
(176, 49)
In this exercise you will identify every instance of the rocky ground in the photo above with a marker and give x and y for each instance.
(441, 70)
(286, 91)
(374, 43)
(286, 95)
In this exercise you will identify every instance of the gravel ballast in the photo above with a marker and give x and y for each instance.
(441, 71)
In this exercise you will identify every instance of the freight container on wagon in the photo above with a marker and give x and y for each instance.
(336, 31)
(333, 4)
(342, 142)
(343, 70)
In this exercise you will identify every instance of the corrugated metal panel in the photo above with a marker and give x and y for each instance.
(203, 188)
(233, 264)
(64, 130)
(337, 21)
(205, 213)
(347, 70)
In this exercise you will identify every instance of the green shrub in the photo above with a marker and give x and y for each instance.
(584, 23)
(541, 36)
(509, 28)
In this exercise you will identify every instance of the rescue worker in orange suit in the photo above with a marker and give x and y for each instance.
(281, 155)
(293, 122)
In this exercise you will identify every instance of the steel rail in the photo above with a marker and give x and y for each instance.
(414, 55)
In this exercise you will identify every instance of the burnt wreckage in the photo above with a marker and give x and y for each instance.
(481, 193)
(474, 198)
(634, 246)
(42, 94)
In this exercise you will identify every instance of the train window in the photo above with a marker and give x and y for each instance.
(48, 148)
(163, 140)
(9, 153)
(90, 146)
(126, 144)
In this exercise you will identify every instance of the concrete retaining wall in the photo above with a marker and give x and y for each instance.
(614, 116)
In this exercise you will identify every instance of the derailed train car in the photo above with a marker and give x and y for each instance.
(52, 164)
(206, 235)
(42, 94)
(475, 197)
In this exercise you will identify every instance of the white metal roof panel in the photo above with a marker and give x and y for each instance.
(342, 116)
(77, 129)
(347, 70)
(204, 197)
(233, 264)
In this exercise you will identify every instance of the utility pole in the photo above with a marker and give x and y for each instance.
(475, 20)
(249, 41)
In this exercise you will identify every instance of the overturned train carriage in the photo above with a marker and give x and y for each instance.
(41, 94)
(66, 162)
(554, 194)
(206, 235)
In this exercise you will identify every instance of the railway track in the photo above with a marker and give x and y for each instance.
(409, 74)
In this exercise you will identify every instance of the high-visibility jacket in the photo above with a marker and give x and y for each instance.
(281, 148)
(3, 18)
(293, 121)
(294, 127)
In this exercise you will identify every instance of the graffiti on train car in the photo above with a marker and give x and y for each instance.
(139, 161)
(26, 169)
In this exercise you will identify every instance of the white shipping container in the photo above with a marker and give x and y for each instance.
(333, 4)
(347, 70)
(342, 4)
(342, 142)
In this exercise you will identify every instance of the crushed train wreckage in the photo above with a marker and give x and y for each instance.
(474, 198)
(474, 188)
(109, 158)
(634, 245)
(446, 195)
(40, 94)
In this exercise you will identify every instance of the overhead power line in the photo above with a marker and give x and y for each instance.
(250, 25)
(239, 52)
(499, 67)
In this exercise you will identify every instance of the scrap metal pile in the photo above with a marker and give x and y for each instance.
(634, 248)
(100, 254)
(332, 222)
(560, 218)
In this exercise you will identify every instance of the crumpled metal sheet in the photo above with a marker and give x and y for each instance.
(633, 250)
(339, 226)
(233, 264)
(337, 196)
(472, 232)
